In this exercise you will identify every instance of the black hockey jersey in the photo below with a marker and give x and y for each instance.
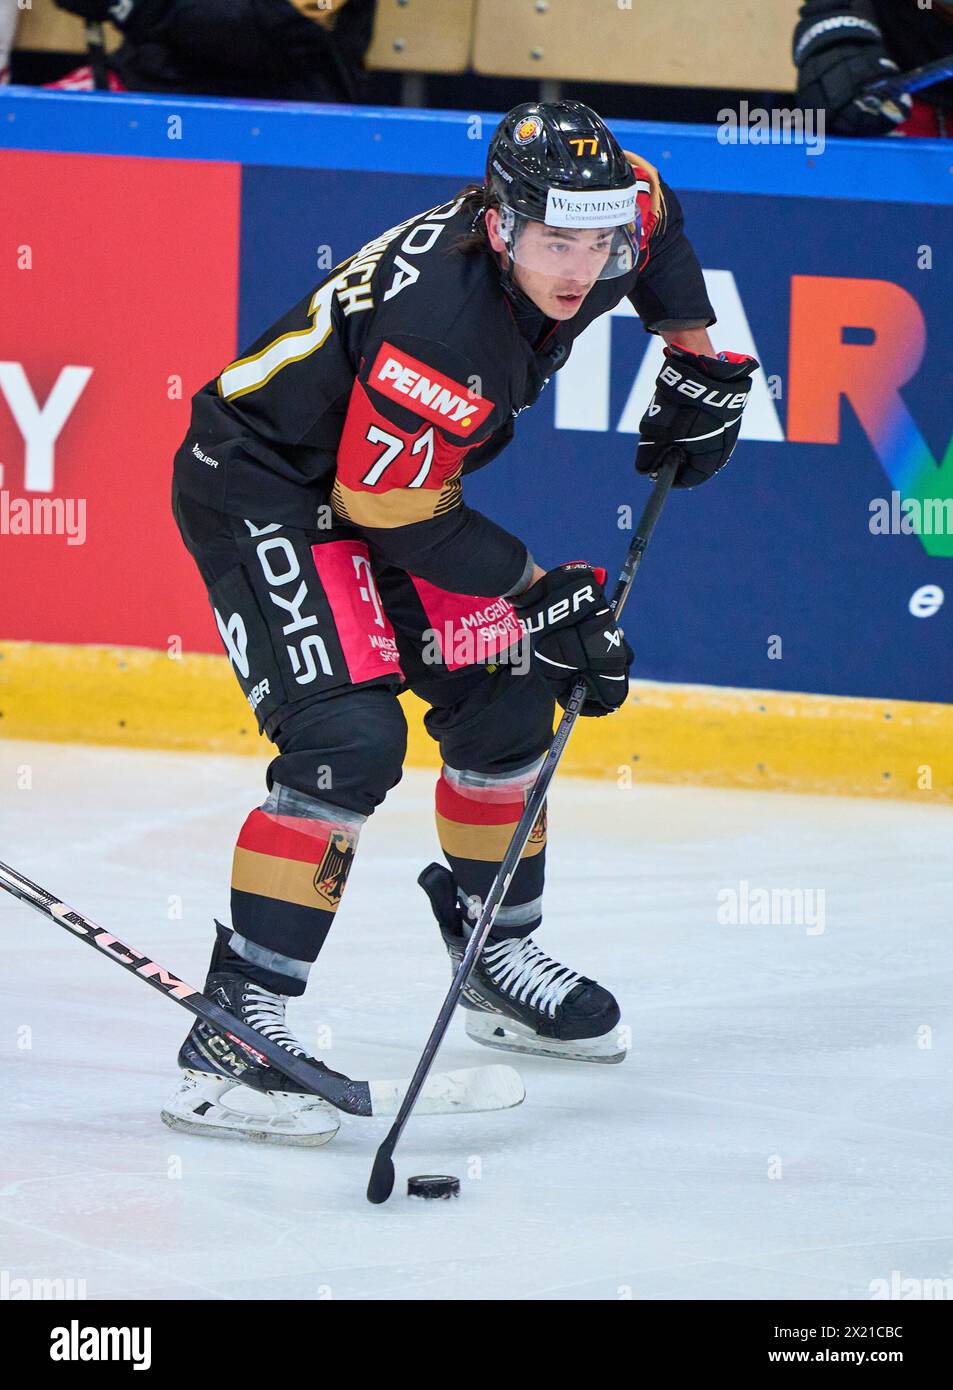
(404, 370)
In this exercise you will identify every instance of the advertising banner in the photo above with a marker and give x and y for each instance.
(820, 560)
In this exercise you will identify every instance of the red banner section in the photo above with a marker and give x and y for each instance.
(119, 286)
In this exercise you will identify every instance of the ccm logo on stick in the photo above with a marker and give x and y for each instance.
(118, 950)
(427, 392)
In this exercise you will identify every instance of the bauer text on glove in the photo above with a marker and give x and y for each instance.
(575, 636)
(697, 406)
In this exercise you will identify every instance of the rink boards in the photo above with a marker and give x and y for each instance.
(669, 733)
(148, 240)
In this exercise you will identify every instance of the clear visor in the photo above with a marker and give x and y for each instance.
(574, 256)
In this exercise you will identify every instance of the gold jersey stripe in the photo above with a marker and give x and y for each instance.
(451, 495)
(399, 507)
(288, 880)
(251, 373)
(338, 505)
(487, 843)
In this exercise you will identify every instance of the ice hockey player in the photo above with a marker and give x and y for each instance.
(319, 492)
(841, 46)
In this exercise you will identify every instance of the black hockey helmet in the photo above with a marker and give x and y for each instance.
(559, 164)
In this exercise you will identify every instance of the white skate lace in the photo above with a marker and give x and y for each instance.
(266, 1012)
(527, 974)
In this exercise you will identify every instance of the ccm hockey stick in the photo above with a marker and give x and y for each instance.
(474, 1088)
(381, 1182)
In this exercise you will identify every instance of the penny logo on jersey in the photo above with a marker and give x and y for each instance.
(427, 392)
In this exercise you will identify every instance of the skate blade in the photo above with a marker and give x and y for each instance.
(210, 1129)
(197, 1107)
(468, 1091)
(492, 1030)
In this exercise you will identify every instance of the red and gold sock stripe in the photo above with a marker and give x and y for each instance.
(478, 822)
(294, 859)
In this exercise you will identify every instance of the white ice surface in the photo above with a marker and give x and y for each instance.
(755, 1050)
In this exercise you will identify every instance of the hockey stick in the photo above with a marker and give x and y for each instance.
(96, 52)
(901, 84)
(381, 1182)
(476, 1088)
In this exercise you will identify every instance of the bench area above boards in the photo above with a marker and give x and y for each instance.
(683, 43)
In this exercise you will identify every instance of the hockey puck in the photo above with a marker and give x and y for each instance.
(437, 1185)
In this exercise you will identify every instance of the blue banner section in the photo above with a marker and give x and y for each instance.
(820, 560)
(770, 576)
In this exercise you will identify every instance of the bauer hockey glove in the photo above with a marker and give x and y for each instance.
(574, 635)
(839, 51)
(697, 405)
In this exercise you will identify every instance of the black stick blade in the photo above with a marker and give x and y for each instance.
(381, 1183)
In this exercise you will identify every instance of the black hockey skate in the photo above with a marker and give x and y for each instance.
(271, 1109)
(519, 999)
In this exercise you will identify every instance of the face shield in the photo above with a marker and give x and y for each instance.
(586, 236)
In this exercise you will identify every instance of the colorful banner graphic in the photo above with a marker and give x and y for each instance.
(819, 561)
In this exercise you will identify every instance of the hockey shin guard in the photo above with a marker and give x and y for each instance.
(289, 872)
(476, 815)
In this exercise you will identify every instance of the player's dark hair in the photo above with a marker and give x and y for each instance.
(476, 199)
